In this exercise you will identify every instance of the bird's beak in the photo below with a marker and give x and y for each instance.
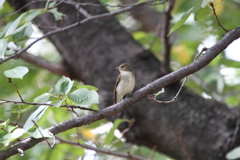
(116, 68)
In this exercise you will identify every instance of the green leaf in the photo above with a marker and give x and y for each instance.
(9, 52)
(57, 15)
(229, 63)
(9, 133)
(233, 154)
(84, 97)
(16, 134)
(5, 138)
(49, 4)
(160, 92)
(205, 3)
(59, 103)
(40, 133)
(63, 86)
(35, 116)
(201, 14)
(14, 25)
(5, 29)
(31, 14)
(42, 96)
(183, 19)
(23, 32)
(5, 123)
(110, 134)
(17, 72)
(3, 46)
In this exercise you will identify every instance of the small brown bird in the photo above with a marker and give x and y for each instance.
(125, 82)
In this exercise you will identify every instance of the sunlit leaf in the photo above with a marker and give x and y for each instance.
(17, 133)
(4, 124)
(59, 103)
(63, 86)
(17, 72)
(89, 87)
(13, 26)
(5, 138)
(3, 46)
(35, 116)
(31, 14)
(84, 97)
(42, 96)
(183, 19)
(23, 32)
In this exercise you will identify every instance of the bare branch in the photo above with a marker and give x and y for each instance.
(210, 54)
(10, 81)
(214, 13)
(165, 67)
(59, 68)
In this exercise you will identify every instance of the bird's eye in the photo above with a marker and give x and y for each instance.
(122, 66)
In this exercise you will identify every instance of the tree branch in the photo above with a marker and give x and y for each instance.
(165, 67)
(59, 68)
(209, 55)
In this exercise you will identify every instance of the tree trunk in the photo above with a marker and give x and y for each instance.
(191, 125)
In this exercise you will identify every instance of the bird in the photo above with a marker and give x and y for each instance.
(125, 82)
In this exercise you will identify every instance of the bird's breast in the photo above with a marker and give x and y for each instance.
(126, 84)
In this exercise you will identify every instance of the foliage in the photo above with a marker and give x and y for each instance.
(195, 24)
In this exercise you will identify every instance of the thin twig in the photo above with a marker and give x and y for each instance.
(182, 145)
(214, 13)
(10, 81)
(41, 133)
(182, 85)
(2, 101)
(128, 156)
(165, 67)
(174, 98)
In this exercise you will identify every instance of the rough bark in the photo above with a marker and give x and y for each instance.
(91, 51)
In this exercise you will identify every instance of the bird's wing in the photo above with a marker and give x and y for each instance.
(115, 92)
